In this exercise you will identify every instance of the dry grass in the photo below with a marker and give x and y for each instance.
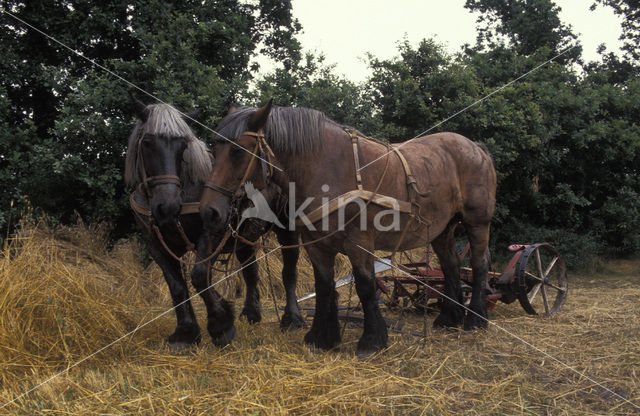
(63, 295)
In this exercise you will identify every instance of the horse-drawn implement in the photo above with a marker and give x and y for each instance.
(536, 276)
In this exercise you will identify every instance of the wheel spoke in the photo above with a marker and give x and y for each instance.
(544, 299)
(534, 292)
(550, 266)
(539, 264)
(559, 289)
(533, 276)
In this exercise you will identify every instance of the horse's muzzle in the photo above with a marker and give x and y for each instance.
(213, 218)
(165, 207)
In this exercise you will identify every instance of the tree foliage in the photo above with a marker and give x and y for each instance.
(629, 10)
(527, 25)
(66, 121)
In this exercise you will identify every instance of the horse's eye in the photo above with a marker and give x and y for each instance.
(237, 151)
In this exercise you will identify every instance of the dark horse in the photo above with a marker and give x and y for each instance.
(168, 166)
(453, 180)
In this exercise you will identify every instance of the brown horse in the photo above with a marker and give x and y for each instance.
(455, 181)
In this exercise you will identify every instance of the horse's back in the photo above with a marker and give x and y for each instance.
(455, 169)
(461, 150)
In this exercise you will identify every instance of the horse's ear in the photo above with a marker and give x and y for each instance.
(259, 119)
(193, 115)
(139, 107)
(232, 109)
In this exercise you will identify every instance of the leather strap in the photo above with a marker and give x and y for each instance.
(382, 200)
(412, 185)
(220, 189)
(144, 210)
(346, 198)
(259, 136)
(151, 181)
(405, 166)
(356, 158)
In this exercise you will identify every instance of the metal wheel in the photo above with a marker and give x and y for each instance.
(541, 280)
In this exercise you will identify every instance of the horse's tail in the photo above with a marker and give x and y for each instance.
(485, 149)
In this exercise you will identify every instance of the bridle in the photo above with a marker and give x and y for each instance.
(149, 182)
(261, 154)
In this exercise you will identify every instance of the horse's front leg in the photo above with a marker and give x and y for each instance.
(292, 318)
(247, 257)
(219, 311)
(325, 331)
(374, 336)
(187, 331)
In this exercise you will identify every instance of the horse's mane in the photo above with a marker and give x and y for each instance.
(293, 130)
(167, 121)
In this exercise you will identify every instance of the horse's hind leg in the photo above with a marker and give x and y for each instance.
(292, 318)
(251, 310)
(219, 310)
(374, 336)
(451, 313)
(325, 331)
(479, 240)
(187, 331)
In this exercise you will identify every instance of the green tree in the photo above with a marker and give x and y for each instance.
(526, 25)
(72, 119)
(566, 144)
(629, 10)
(613, 68)
(308, 82)
(418, 90)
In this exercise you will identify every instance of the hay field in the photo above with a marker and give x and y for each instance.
(64, 294)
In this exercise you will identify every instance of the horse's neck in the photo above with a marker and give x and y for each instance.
(328, 165)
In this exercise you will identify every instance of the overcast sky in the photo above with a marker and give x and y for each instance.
(345, 30)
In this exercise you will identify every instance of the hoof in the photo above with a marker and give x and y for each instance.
(220, 324)
(224, 338)
(184, 336)
(251, 314)
(291, 321)
(473, 321)
(446, 321)
(324, 340)
(372, 342)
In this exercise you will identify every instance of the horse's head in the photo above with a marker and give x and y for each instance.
(163, 156)
(237, 160)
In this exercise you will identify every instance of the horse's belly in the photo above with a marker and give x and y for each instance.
(419, 234)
